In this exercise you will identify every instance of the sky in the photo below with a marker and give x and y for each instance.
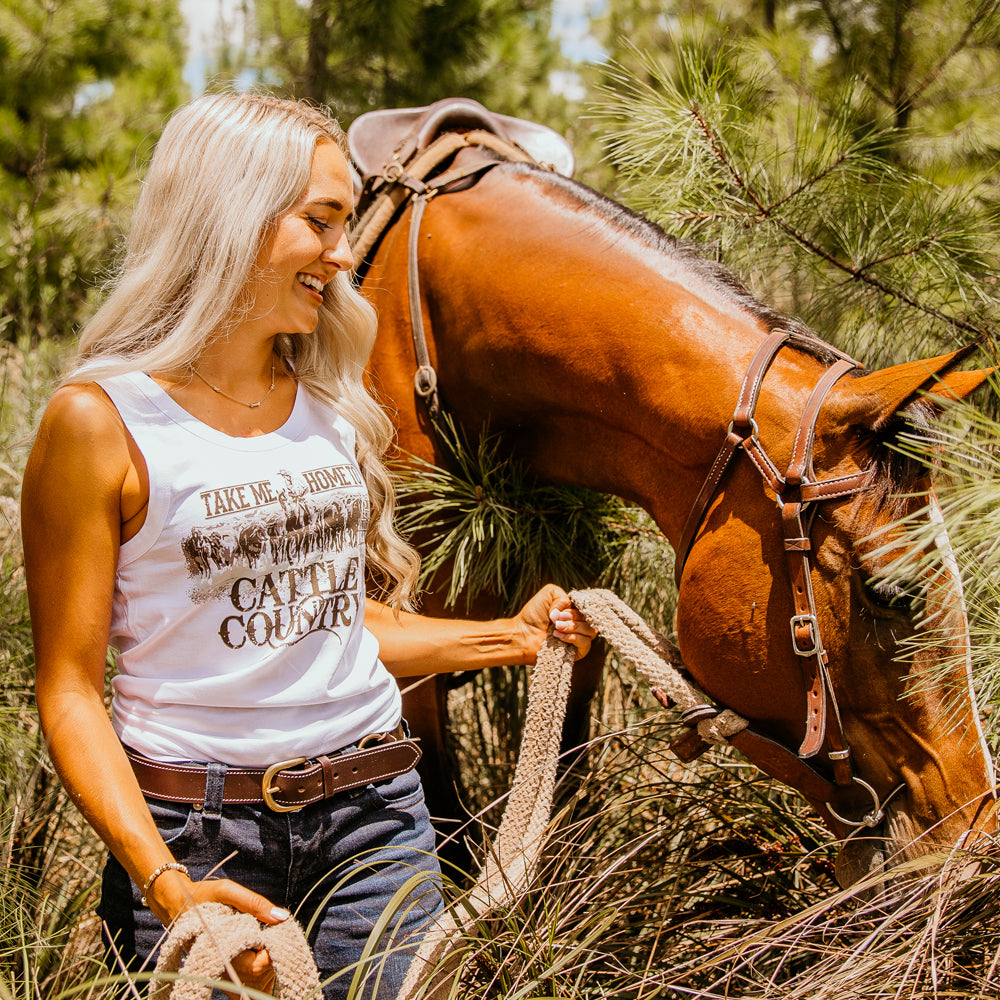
(569, 24)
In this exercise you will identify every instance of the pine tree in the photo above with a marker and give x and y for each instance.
(85, 82)
(843, 164)
(357, 56)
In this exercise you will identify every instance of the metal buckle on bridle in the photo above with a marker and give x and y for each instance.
(871, 819)
(268, 790)
(813, 624)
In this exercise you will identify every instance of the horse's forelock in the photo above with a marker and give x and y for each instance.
(896, 472)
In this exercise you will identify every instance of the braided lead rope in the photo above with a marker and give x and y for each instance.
(652, 654)
(212, 935)
(515, 850)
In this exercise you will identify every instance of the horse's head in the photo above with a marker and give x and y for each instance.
(907, 708)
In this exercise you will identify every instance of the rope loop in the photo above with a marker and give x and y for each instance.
(513, 856)
(205, 939)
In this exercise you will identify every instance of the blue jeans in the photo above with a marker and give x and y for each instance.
(335, 864)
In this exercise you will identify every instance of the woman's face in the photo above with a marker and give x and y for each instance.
(308, 247)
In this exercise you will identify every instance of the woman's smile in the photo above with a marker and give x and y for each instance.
(307, 248)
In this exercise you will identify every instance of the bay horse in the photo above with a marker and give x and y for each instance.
(611, 356)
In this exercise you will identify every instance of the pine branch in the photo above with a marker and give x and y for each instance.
(491, 528)
(767, 212)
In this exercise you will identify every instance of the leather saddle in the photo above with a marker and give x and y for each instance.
(379, 138)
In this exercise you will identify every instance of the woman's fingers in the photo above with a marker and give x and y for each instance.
(239, 897)
(552, 605)
(572, 627)
(253, 969)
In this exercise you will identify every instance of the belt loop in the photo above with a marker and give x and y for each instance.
(215, 783)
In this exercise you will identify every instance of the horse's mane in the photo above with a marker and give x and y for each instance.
(894, 474)
(690, 254)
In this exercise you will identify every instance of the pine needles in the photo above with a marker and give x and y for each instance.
(494, 530)
(804, 187)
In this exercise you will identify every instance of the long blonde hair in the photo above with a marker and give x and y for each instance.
(226, 167)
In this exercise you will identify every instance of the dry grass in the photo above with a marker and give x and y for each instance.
(661, 879)
(669, 880)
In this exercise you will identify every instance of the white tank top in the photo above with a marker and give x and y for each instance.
(238, 609)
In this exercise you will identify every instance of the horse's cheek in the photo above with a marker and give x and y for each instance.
(724, 635)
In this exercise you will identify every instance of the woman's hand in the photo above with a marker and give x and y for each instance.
(413, 645)
(173, 892)
(552, 604)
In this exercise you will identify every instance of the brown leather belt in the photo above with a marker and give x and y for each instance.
(289, 784)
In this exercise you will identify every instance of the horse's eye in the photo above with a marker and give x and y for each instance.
(890, 596)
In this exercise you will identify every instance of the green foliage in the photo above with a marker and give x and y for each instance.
(86, 82)
(781, 153)
(357, 56)
(493, 529)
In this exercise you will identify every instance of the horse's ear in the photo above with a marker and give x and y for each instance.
(873, 399)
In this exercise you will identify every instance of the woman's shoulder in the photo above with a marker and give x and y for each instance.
(82, 408)
(81, 429)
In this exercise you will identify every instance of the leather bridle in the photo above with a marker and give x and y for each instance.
(795, 490)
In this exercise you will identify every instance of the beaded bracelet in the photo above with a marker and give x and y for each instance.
(174, 866)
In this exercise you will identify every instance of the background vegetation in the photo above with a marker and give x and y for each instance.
(841, 156)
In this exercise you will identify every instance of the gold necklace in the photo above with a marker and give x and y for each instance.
(222, 392)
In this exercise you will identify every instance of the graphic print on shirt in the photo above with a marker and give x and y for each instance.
(283, 557)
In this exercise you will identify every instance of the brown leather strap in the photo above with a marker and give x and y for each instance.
(740, 430)
(746, 402)
(800, 464)
(773, 759)
(381, 757)
(807, 641)
(425, 379)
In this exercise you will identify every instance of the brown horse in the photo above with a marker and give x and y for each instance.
(611, 356)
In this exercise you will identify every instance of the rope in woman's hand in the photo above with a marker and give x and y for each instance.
(512, 857)
(204, 940)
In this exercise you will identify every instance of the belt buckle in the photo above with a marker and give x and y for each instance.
(268, 790)
(373, 738)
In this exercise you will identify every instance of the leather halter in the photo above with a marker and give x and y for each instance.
(794, 491)
(400, 183)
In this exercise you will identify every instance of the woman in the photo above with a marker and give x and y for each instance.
(206, 493)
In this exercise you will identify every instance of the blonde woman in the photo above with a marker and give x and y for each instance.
(206, 495)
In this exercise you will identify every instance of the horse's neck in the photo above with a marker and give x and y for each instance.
(607, 362)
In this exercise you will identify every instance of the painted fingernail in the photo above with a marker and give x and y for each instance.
(279, 913)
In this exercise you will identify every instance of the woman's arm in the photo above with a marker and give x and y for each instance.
(412, 645)
(80, 485)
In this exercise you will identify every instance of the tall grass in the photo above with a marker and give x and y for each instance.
(707, 880)
(660, 879)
